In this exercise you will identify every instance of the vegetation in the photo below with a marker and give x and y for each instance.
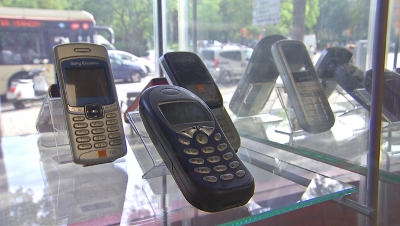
(223, 20)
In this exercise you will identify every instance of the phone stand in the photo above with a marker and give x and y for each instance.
(390, 122)
(294, 126)
(52, 129)
(158, 167)
(265, 116)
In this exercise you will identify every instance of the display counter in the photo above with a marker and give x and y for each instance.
(38, 189)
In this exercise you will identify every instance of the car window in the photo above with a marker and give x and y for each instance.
(207, 55)
(115, 61)
(248, 54)
(232, 55)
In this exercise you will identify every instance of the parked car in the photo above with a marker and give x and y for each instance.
(151, 55)
(149, 65)
(126, 70)
(226, 63)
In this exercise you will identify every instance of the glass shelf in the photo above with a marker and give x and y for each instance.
(116, 193)
(345, 145)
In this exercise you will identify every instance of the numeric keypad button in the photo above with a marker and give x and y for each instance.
(80, 125)
(227, 156)
(207, 150)
(220, 168)
(100, 145)
(97, 124)
(99, 137)
(82, 139)
(81, 132)
(84, 146)
(202, 170)
(191, 151)
(234, 164)
(115, 142)
(114, 135)
(240, 173)
(212, 179)
(98, 131)
(213, 159)
(112, 129)
(197, 161)
(227, 176)
(112, 122)
(222, 147)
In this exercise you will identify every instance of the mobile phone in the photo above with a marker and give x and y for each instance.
(134, 105)
(186, 69)
(195, 149)
(347, 77)
(90, 103)
(258, 81)
(303, 87)
(391, 91)
(327, 63)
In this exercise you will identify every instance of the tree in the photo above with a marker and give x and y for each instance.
(132, 21)
(298, 18)
(42, 4)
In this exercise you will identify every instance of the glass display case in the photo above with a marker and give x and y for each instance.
(355, 163)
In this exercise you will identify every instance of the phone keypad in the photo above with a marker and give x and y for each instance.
(311, 99)
(221, 164)
(92, 134)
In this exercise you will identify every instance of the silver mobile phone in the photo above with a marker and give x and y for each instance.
(258, 81)
(303, 87)
(90, 103)
(187, 70)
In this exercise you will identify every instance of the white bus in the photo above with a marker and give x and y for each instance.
(27, 37)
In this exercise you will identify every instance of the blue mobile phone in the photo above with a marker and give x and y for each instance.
(195, 149)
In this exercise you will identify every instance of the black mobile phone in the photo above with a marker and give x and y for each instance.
(90, 103)
(347, 76)
(135, 104)
(303, 87)
(258, 81)
(327, 63)
(186, 69)
(391, 91)
(194, 148)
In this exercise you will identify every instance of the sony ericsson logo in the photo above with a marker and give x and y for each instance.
(85, 63)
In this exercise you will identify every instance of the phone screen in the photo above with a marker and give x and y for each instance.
(183, 112)
(80, 93)
(295, 56)
(195, 77)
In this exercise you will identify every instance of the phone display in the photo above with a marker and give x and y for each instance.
(194, 148)
(391, 91)
(90, 103)
(187, 70)
(135, 103)
(304, 90)
(258, 81)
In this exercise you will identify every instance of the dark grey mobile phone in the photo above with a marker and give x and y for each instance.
(303, 87)
(90, 103)
(258, 81)
(194, 148)
(187, 70)
(329, 60)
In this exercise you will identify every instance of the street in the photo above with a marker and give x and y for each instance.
(14, 122)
